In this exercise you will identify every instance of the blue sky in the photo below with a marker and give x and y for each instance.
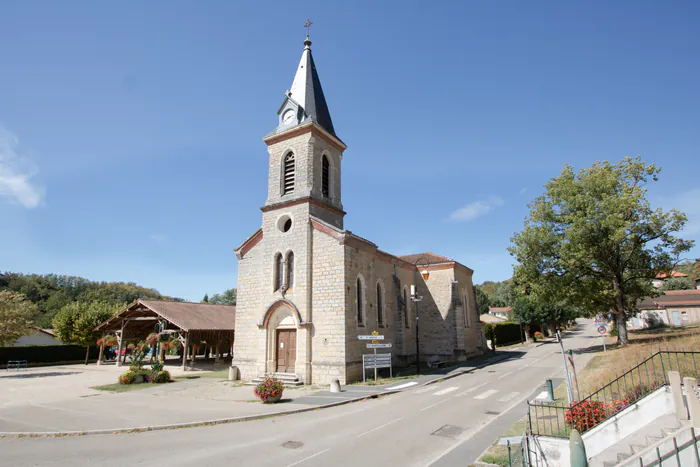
(130, 132)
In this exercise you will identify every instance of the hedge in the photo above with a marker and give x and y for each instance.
(506, 333)
(46, 353)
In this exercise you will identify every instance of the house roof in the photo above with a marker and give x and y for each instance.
(501, 309)
(426, 258)
(487, 318)
(663, 275)
(185, 315)
(672, 298)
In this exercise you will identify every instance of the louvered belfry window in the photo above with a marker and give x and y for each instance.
(325, 177)
(380, 305)
(289, 171)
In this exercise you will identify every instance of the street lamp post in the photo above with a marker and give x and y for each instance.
(415, 299)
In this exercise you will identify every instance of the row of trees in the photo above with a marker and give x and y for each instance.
(228, 297)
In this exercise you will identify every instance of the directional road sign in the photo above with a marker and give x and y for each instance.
(371, 338)
(378, 346)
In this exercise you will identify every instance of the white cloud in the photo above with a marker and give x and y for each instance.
(475, 209)
(523, 191)
(15, 173)
(157, 237)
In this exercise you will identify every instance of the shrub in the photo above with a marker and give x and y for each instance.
(127, 377)
(585, 415)
(268, 388)
(538, 336)
(641, 390)
(506, 333)
(156, 367)
(46, 354)
(160, 377)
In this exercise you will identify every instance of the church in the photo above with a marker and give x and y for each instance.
(308, 287)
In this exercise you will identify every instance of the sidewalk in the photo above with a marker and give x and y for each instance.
(53, 400)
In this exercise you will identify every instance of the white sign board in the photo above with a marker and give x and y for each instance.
(378, 346)
(371, 338)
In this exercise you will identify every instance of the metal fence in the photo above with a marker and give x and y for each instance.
(686, 453)
(552, 419)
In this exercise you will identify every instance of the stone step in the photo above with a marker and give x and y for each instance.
(289, 379)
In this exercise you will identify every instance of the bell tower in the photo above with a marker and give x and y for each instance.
(305, 152)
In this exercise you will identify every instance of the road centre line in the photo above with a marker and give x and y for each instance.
(382, 426)
(431, 406)
(446, 390)
(505, 374)
(307, 458)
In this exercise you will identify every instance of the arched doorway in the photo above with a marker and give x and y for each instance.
(281, 327)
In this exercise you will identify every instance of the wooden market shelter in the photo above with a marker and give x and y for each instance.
(191, 323)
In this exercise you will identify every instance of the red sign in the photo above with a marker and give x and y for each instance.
(602, 330)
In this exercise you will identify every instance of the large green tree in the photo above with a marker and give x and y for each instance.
(482, 300)
(16, 317)
(593, 239)
(228, 297)
(75, 322)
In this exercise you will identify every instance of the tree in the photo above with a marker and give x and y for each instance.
(482, 300)
(503, 294)
(228, 297)
(16, 317)
(594, 240)
(205, 299)
(75, 323)
(677, 283)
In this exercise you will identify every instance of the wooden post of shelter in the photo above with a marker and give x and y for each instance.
(121, 343)
(102, 350)
(185, 346)
(216, 356)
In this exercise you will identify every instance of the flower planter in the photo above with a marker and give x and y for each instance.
(138, 379)
(272, 399)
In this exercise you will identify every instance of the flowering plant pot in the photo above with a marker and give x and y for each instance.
(138, 378)
(269, 390)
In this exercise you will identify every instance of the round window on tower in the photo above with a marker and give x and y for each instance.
(284, 223)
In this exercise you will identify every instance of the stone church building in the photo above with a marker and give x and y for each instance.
(307, 287)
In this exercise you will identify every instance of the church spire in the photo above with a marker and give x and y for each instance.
(306, 91)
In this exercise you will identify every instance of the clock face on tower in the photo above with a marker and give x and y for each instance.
(288, 117)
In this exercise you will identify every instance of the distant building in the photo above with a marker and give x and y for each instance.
(504, 312)
(673, 308)
(489, 318)
(39, 337)
(662, 277)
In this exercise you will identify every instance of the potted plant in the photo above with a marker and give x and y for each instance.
(269, 390)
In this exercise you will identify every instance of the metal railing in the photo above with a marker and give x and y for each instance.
(552, 419)
(678, 456)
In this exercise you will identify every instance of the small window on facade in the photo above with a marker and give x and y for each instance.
(279, 271)
(405, 309)
(289, 170)
(465, 305)
(380, 305)
(325, 176)
(290, 270)
(360, 317)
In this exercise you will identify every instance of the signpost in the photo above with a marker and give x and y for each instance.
(375, 360)
(601, 325)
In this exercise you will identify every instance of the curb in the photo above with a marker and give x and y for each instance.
(222, 421)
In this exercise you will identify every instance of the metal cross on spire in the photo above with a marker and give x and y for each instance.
(308, 26)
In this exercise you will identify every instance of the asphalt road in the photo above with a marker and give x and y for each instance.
(448, 423)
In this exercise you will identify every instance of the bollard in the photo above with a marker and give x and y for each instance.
(578, 450)
(550, 389)
(335, 385)
(232, 373)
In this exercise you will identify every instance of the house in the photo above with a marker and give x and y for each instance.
(489, 318)
(673, 308)
(660, 278)
(38, 337)
(501, 312)
(309, 290)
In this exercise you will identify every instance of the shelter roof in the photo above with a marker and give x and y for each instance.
(185, 315)
(672, 298)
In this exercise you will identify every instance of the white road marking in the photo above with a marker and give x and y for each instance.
(541, 396)
(307, 458)
(505, 374)
(445, 391)
(430, 406)
(425, 389)
(508, 397)
(382, 426)
(405, 385)
(486, 394)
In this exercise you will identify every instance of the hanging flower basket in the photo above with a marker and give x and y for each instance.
(269, 390)
(152, 338)
(108, 341)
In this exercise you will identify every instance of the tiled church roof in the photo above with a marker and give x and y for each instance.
(426, 258)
